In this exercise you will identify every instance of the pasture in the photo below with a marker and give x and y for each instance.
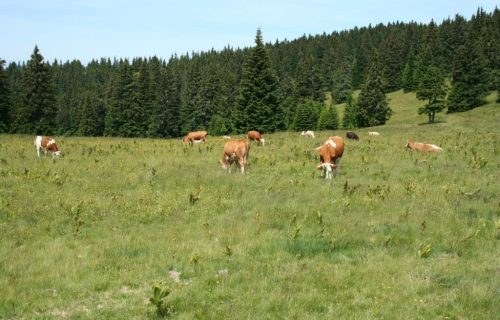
(398, 235)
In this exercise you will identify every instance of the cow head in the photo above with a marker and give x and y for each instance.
(327, 169)
(57, 154)
(223, 164)
(409, 143)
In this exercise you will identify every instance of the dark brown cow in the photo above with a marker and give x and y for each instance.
(255, 136)
(196, 137)
(47, 144)
(351, 135)
(235, 151)
(330, 154)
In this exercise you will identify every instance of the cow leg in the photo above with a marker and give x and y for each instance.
(337, 166)
(38, 152)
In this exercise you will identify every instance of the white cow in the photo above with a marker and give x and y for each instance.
(308, 133)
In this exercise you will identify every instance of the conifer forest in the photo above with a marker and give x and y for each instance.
(280, 86)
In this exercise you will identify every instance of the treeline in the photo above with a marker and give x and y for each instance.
(269, 87)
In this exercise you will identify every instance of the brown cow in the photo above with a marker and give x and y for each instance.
(423, 147)
(330, 154)
(255, 136)
(196, 137)
(46, 144)
(235, 150)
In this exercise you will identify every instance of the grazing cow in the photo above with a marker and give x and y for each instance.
(255, 136)
(195, 137)
(351, 135)
(308, 133)
(235, 151)
(330, 154)
(226, 137)
(46, 144)
(423, 147)
(373, 133)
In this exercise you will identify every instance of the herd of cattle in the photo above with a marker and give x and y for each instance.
(236, 150)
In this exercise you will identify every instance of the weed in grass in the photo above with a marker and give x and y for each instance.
(350, 189)
(424, 251)
(159, 294)
(195, 196)
(378, 192)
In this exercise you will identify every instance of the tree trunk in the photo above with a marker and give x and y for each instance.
(430, 118)
(433, 116)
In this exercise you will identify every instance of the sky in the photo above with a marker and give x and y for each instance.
(67, 30)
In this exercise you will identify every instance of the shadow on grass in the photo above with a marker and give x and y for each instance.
(435, 122)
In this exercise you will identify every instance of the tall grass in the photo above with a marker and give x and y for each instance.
(396, 235)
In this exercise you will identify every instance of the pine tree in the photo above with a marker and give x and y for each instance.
(4, 100)
(306, 116)
(469, 78)
(37, 112)
(92, 116)
(350, 115)
(432, 88)
(308, 80)
(165, 120)
(259, 104)
(124, 116)
(392, 62)
(342, 85)
(328, 119)
(372, 106)
(408, 81)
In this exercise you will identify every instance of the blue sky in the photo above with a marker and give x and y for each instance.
(87, 29)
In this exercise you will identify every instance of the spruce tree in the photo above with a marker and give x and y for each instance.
(37, 111)
(165, 121)
(92, 116)
(432, 88)
(350, 114)
(306, 115)
(124, 116)
(308, 80)
(468, 79)
(372, 106)
(258, 104)
(392, 61)
(342, 84)
(328, 119)
(4, 100)
(408, 81)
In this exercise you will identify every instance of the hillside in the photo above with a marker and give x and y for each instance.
(396, 235)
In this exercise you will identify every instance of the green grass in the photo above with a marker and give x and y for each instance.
(87, 236)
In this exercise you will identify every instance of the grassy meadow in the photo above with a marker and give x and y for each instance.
(397, 235)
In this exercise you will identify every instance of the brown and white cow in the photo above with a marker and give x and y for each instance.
(255, 136)
(235, 151)
(195, 137)
(330, 154)
(308, 133)
(47, 144)
(422, 147)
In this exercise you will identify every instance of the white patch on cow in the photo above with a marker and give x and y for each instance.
(331, 143)
(262, 141)
(51, 142)
(436, 147)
